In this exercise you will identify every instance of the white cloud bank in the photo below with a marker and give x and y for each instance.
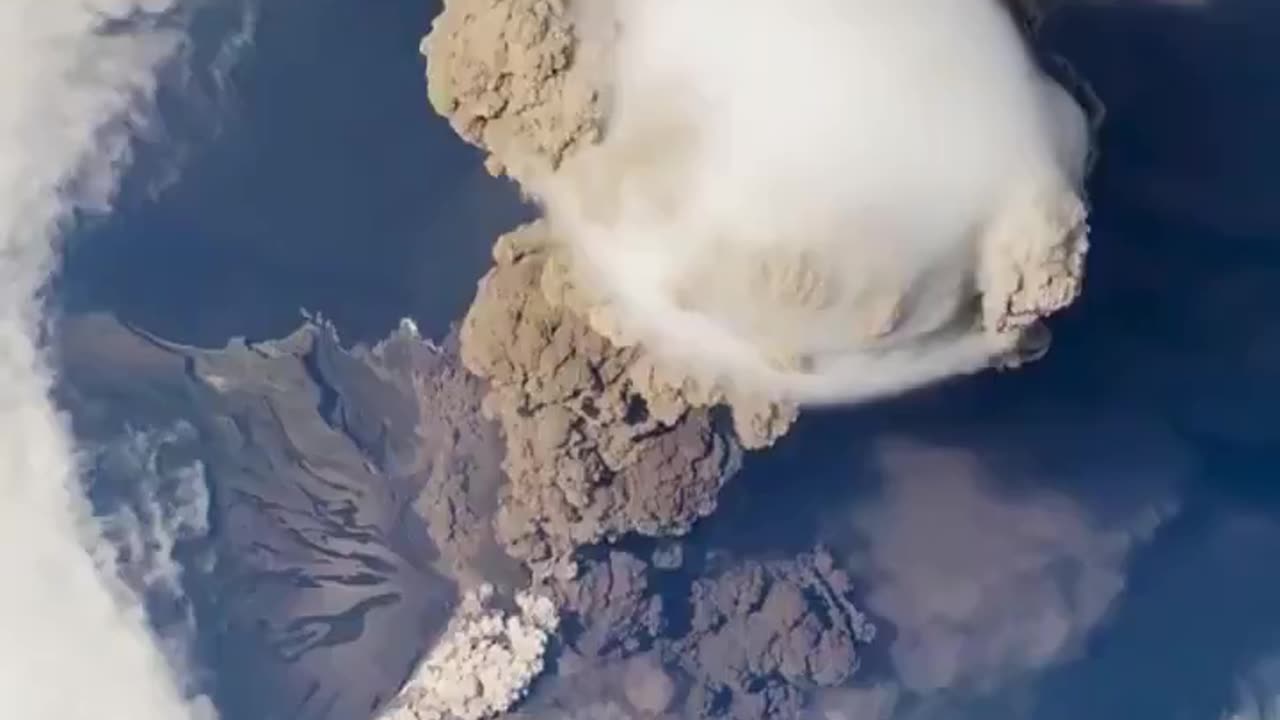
(829, 199)
(74, 644)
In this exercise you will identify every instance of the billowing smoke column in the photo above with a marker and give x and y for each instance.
(823, 200)
(75, 644)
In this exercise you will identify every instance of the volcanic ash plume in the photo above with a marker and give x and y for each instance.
(821, 200)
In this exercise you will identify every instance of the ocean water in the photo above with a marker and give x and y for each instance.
(327, 183)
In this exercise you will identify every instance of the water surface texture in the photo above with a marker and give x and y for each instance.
(331, 186)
